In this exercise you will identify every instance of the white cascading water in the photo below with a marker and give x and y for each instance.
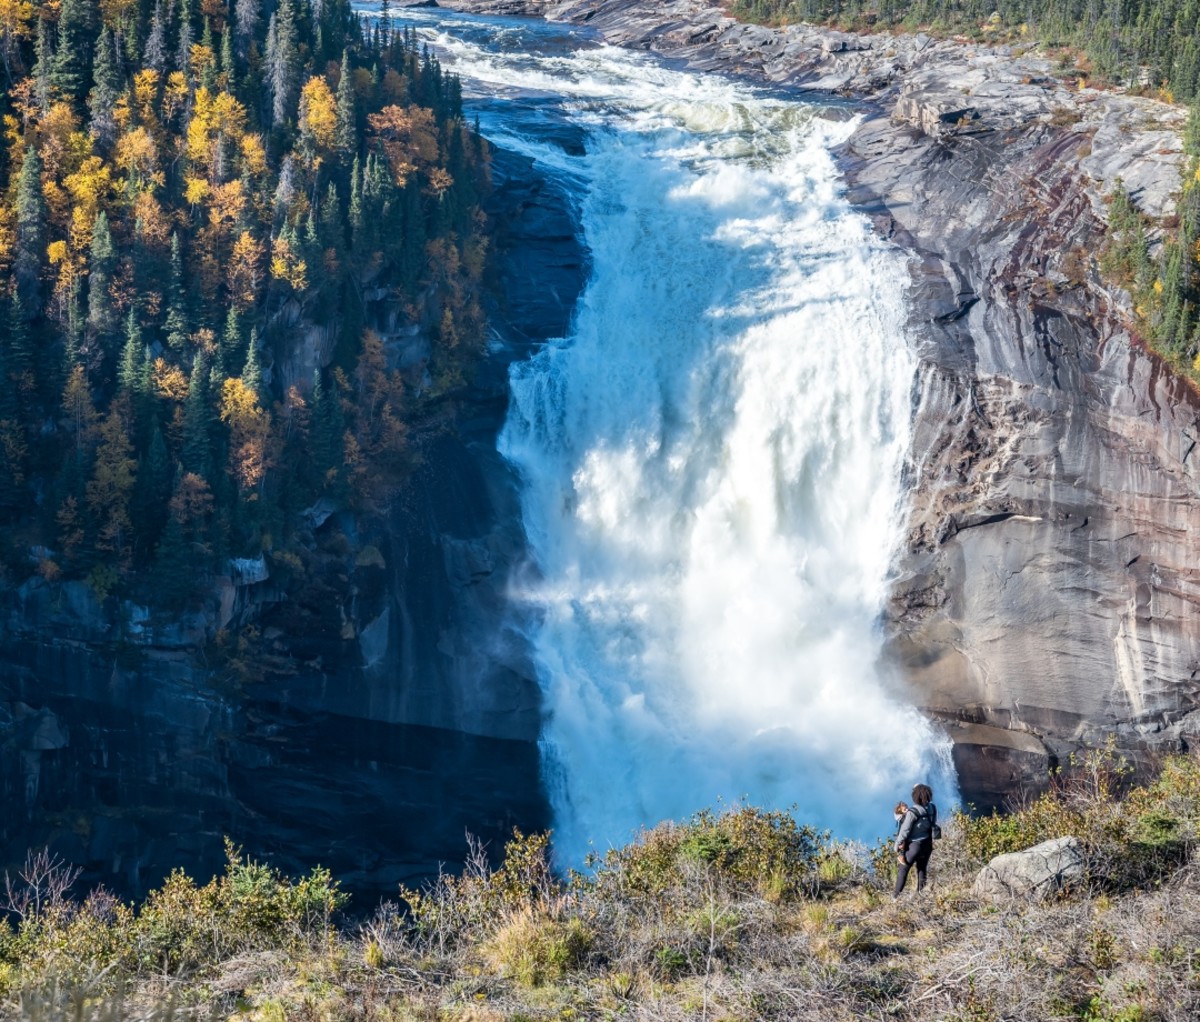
(711, 462)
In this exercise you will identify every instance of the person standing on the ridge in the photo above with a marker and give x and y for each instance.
(914, 839)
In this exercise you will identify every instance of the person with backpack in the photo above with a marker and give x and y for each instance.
(914, 839)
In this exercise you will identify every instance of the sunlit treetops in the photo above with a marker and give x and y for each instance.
(213, 216)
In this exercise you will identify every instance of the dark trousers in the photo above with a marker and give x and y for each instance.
(917, 854)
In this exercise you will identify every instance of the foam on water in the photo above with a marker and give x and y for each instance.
(711, 461)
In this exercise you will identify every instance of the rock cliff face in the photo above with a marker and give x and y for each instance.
(375, 718)
(1046, 595)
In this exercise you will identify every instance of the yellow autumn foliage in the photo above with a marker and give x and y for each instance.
(254, 154)
(196, 190)
(214, 119)
(318, 112)
(287, 265)
(249, 431)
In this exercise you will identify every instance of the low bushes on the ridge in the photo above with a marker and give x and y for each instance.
(738, 913)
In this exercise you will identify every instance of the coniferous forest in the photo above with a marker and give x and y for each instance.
(1135, 42)
(207, 212)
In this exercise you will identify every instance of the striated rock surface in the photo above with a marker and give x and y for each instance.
(1047, 591)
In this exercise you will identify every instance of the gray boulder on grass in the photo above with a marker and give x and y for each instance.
(1037, 872)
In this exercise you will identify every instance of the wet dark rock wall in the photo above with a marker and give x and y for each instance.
(377, 716)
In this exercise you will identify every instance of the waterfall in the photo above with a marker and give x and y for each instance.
(711, 460)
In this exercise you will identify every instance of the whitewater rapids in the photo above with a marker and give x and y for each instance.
(711, 461)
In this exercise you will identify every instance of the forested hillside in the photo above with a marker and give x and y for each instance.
(1134, 42)
(209, 214)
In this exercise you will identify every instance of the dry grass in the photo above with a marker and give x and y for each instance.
(680, 926)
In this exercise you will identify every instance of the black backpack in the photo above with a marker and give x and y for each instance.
(935, 832)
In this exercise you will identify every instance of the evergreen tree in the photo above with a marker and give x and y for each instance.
(103, 98)
(197, 421)
(286, 189)
(102, 262)
(247, 16)
(43, 69)
(208, 77)
(228, 65)
(151, 494)
(231, 339)
(130, 372)
(333, 230)
(183, 50)
(176, 325)
(71, 73)
(31, 243)
(283, 64)
(16, 347)
(346, 138)
(356, 204)
(156, 44)
(252, 372)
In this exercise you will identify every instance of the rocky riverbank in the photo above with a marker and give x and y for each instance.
(1046, 593)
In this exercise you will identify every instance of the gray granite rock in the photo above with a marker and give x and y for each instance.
(1048, 590)
(1039, 872)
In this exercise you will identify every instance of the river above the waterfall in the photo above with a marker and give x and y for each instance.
(711, 458)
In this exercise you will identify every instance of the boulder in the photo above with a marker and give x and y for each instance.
(1037, 872)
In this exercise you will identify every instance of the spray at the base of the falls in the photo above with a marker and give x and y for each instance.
(711, 462)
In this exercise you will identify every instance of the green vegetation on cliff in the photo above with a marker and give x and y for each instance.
(1165, 287)
(205, 206)
(741, 914)
(1139, 42)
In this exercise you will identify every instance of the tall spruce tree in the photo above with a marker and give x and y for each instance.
(102, 264)
(283, 64)
(346, 136)
(31, 238)
(18, 379)
(129, 373)
(106, 91)
(252, 371)
(247, 16)
(197, 420)
(156, 43)
(43, 69)
(183, 49)
(177, 326)
(208, 76)
(71, 72)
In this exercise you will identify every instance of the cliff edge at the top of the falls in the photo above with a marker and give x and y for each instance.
(1045, 593)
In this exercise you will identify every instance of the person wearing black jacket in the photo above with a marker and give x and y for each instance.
(914, 839)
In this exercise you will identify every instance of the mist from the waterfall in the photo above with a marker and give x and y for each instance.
(711, 462)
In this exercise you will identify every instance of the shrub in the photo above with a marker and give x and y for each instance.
(1128, 842)
(533, 949)
(184, 927)
(453, 908)
(744, 848)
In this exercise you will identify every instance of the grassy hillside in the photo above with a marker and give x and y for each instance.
(738, 914)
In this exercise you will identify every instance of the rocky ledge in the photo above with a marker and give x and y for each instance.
(1045, 596)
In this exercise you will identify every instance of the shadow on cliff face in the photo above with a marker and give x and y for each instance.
(404, 715)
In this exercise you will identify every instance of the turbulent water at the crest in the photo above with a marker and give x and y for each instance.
(711, 460)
